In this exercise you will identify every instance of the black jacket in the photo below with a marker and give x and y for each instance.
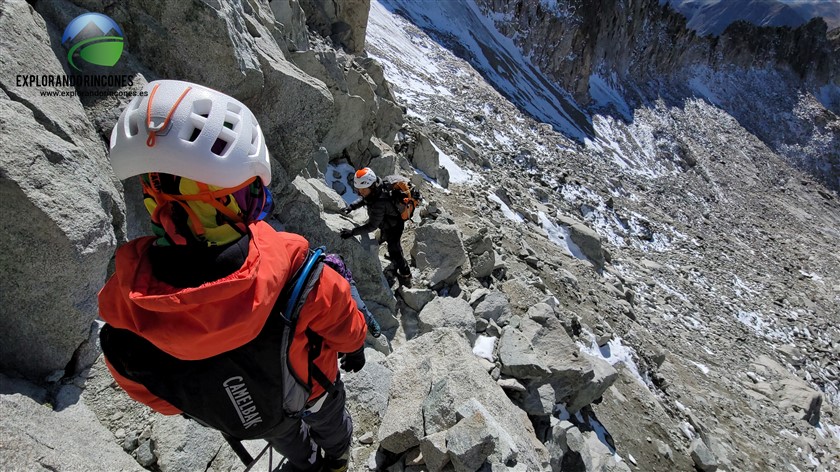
(383, 212)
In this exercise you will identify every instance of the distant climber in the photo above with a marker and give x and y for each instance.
(198, 318)
(386, 212)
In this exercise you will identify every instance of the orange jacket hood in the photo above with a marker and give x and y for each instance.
(200, 322)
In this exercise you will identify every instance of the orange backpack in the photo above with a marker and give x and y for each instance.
(404, 195)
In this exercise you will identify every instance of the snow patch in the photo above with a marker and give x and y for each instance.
(702, 89)
(702, 367)
(494, 54)
(509, 214)
(562, 412)
(614, 352)
(337, 178)
(605, 95)
(687, 430)
(829, 96)
(484, 346)
(560, 236)
(752, 319)
(457, 174)
(597, 427)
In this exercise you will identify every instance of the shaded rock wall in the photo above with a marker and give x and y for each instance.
(64, 212)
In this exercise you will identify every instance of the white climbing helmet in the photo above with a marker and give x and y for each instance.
(191, 131)
(364, 178)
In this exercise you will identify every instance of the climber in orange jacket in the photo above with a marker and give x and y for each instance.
(193, 318)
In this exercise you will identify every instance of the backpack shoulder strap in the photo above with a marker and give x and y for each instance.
(295, 294)
(302, 283)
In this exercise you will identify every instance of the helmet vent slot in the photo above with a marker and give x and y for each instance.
(223, 142)
(219, 147)
(133, 127)
(202, 107)
(255, 141)
(232, 121)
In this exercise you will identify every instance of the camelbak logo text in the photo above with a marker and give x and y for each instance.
(238, 393)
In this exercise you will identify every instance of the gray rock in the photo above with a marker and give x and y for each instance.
(522, 294)
(446, 312)
(425, 157)
(492, 329)
(593, 453)
(539, 399)
(416, 298)
(506, 450)
(47, 148)
(366, 438)
(511, 384)
(36, 437)
(368, 389)
(402, 424)
(556, 442)
(145, 454)
(518, 358)
(479, 243)
(789, 392)
(131, 441)
(326, 197)
(11, 385)
(293, 20)
(664, 450)
(450, 357)
(434, 451)
(701, 455)
(385, 163)
(438, 251)
(540, 312)
(343, 22)
(587, 239)
(470, 442)
(578, 379)
(484, 264)
(390, 118)
(477, 296)
(494, 306)
(438, 414)
(181, 444)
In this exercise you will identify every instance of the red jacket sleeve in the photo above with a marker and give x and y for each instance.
(340, 323)
(141, 394)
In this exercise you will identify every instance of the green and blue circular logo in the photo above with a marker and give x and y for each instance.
(93, 38)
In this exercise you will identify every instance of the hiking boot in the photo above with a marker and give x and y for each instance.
(335, 464)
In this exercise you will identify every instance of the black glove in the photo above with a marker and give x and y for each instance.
(354, 361)
(346, 233)
(346, 210)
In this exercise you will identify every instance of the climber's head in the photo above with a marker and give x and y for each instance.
(202, 160)
(364, 181)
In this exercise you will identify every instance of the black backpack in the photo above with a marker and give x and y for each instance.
(230, 392)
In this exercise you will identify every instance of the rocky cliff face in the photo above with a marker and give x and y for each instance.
(647, 52)
(640, 41)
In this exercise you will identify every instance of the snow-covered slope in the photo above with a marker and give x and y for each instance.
(462, 27)
(728, 253)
